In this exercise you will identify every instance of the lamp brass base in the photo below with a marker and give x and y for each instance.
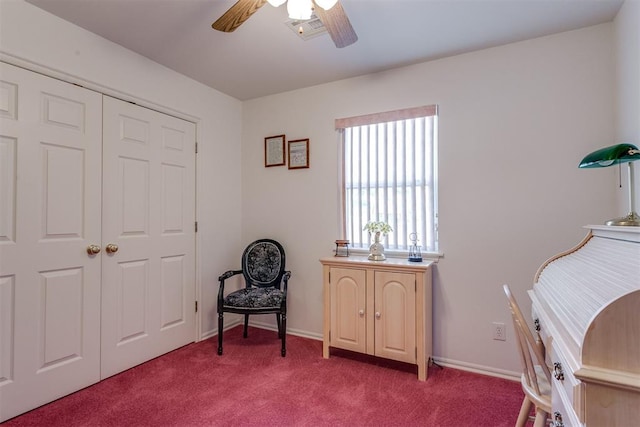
(631, 220)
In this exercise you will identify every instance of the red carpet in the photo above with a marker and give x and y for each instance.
(252, 385)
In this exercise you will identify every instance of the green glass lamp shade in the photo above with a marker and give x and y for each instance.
(613, 155)
(619, 153)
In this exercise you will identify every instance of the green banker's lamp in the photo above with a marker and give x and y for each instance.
(616, 154)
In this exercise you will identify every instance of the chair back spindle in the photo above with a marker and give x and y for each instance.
(536, 375)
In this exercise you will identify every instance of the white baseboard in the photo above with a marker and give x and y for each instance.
(296, 332)
(261, 325)
(214, 332)
(441, 361)
(477, 369)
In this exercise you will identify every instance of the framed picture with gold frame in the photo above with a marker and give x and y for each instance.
(274, 151)
(299, 154)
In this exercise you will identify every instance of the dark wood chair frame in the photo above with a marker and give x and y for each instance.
(281, 282)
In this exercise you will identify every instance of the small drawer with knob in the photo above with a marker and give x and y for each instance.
(541, 332)
(562, 414)
(566, 388)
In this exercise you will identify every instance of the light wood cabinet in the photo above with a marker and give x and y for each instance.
(378, 308)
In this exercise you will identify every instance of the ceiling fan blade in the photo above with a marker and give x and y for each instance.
(237, 14)
(337, 24)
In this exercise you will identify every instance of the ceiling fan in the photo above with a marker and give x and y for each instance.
(330, 13)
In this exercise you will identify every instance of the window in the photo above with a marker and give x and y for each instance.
(390, 174)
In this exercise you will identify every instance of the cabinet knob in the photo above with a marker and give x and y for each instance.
(557, 419)
(93, 249)
(558, 373)
(378, 314)
(536, 324)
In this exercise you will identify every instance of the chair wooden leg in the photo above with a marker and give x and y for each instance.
(283, 334)
(525, 409)
(246, 325)
(220, 328)
(541, 418)
(279, 323)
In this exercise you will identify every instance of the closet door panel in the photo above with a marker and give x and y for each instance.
(50, 184)
(133, 201)
(8, 184)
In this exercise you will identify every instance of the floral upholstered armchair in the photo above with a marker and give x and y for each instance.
(266, 280)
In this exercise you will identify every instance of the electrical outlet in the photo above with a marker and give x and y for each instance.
(499, 331)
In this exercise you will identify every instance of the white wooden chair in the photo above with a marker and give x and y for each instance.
(536, 376)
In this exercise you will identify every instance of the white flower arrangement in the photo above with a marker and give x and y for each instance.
(378, 227)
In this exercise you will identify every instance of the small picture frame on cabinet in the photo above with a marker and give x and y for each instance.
(274, 151)
(299, 153)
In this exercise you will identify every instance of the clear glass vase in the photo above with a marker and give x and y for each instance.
(376, 250)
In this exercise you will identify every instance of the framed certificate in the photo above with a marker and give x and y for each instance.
(299, 154)
(274, 151)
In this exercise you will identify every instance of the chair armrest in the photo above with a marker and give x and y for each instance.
(224, 276)
(228, 274)
(285, 282)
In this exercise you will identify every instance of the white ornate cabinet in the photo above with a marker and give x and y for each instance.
(586, 306)
(378, 308)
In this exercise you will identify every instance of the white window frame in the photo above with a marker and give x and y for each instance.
(396, 243)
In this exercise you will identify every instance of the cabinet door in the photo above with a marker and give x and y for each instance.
(395, 316)
(348, 309)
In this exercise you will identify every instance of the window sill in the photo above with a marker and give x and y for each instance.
(427, 256)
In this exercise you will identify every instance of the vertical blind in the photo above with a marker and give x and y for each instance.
(390, 174)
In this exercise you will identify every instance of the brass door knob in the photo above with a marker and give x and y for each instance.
(93, 249)
(111, 248)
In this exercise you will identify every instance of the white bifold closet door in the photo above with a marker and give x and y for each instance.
(69, 318)
(50, 212)
(148, 211)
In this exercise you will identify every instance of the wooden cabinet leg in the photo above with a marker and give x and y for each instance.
(422, 370)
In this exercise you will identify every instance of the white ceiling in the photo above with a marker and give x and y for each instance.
(264, 57)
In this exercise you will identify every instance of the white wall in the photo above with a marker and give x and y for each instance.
(41, 41)
(627, 49)
(514, 123)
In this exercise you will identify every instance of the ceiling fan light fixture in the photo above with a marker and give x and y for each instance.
(299, 9)
(326, 4)
(304, 13)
